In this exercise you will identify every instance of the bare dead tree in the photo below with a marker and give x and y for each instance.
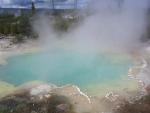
(52, 4)
(75, 4)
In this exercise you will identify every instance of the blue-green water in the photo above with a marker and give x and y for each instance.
(63, 67)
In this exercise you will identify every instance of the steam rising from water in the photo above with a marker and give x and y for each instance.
(114, 25)
(111, 26)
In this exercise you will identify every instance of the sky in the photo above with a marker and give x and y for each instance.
(40, 3)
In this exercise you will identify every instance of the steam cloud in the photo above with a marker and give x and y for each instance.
(114, 25)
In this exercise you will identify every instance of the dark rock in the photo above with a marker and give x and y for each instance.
(148, 89)
(139, 106)
(62, 108)
(23, 103)
(59, 104)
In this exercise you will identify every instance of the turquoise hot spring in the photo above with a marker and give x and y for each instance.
(90, 72)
